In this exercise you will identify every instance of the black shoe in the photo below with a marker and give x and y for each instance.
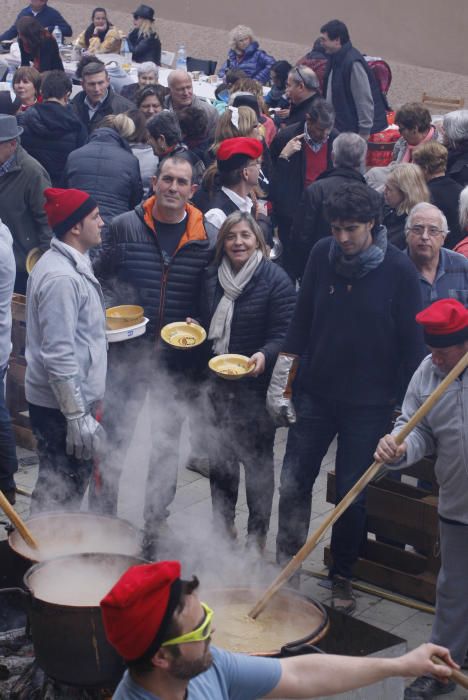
(426, 687)
(343, 598)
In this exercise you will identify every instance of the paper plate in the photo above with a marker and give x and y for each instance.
(183, 336)
(32, 258)
(127, 333)
(231, 367)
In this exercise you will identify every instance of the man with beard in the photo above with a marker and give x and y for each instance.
(156, 622)
(355, 334)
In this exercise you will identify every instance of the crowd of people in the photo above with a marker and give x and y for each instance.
(255, 217)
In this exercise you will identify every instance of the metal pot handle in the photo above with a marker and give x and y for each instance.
(300, 649)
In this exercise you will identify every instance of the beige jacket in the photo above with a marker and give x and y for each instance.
(111, 43)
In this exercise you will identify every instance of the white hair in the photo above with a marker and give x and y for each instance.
(463, 209)
(456, 127)
(240, 32)
(147, 67)
(425, 206)
(349, 150)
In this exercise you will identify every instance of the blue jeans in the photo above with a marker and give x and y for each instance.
(318, 421)
(8, 461)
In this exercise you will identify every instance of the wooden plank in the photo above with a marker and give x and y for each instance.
(24, 437)
(423, 541)
(421, 586)
(401, 559)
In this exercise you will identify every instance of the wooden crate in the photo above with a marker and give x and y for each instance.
(406, 515)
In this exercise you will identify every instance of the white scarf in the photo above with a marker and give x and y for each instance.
(233, 285)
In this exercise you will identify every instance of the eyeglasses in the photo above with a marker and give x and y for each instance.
(419, 230)
(200, 634)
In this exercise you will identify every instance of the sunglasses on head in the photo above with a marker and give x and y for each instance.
(200, 634)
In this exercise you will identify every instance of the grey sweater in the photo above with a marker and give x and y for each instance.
(7, 282)
(65, 326)
(443, 431)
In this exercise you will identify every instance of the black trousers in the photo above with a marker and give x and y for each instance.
(243, 433)
(62, 479)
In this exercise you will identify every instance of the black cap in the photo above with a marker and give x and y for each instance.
(144, 11)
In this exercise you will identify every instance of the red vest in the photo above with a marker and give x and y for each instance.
(315, 163)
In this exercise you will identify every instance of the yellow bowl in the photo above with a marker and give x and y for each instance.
(230, 366)
(183, 336)
(33, 256)
(123, 316)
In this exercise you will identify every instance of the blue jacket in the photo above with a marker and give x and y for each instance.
(451, 280)
(358, 339)
(261, 314)
(48, 17)
(107, 169)
(254, 62)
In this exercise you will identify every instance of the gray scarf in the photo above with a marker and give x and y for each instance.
(233, 285)
(359, 265)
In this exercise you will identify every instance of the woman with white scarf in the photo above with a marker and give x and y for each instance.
(247, 304)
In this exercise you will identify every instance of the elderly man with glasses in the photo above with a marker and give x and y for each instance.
(302, 89)
(157, 623)
(442, 272)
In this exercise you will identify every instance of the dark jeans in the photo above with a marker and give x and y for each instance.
(8, 461)
(62, 480)
(318, 421)
(133, 377)
(243, 433)
(284, 224)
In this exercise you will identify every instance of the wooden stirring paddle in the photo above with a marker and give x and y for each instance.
(17, 521)
(291, 568)
(455, 675)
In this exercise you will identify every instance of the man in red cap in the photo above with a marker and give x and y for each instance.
(156, 622)
(66, 351)
(443, 431)
(239, 163)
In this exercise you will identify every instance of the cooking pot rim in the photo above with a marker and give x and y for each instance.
(314, 637)
(134, 561)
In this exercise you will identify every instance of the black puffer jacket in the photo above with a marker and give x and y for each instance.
(457, 166)
(144, 48)
(261, 314)
(106, 169)
(134, 269)
(51, 133)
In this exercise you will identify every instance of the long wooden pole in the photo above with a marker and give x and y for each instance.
(291, 568)
(18, 522)
(457, 676)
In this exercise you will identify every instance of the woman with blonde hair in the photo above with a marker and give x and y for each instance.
(245, 54)
(107, 169)
(247, 303)
(405, 187)
(143, 40)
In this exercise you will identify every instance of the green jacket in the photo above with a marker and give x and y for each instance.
(22, 206)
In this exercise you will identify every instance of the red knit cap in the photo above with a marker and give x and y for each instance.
(235, 153)
(65, 208)
(445, 323)
(138, 609)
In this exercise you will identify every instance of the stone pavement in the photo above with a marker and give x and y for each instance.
(203, 552)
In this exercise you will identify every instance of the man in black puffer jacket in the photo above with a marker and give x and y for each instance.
(154, 256)
(51, 129)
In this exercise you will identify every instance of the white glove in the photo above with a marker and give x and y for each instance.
(278, 401)
(84, 433)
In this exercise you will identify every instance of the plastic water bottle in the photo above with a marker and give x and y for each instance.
(126, 56)
(57, 34)
(181, 62)
(9, 78)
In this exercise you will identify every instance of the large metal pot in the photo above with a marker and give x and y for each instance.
(61, 534)
(292, 622)
(62, 596)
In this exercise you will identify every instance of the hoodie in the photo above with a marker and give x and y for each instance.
(51, 133)
(7, 281)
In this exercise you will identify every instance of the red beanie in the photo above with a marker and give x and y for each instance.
(139, 608)
(235, 153)
(445, 323)
(65, 208)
